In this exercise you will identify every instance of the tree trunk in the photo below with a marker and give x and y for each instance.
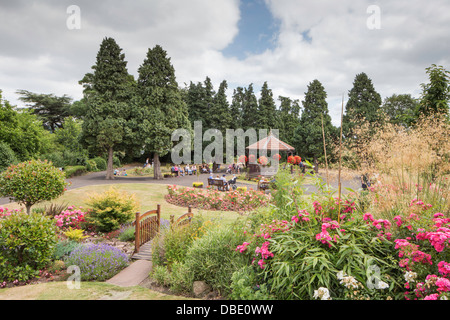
(316, 165)
(110, 169)
(157, 168)
(28, 206)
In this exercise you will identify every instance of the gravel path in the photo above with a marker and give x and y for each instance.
(98, 178)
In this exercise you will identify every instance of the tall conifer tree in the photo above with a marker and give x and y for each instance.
(107, 94)
(308, 135)
(162, 107)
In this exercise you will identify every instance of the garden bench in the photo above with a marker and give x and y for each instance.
(263, 185)
(220, 184)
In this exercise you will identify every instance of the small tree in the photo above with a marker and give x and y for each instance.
(31, 182)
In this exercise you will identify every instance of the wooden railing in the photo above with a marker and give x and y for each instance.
(147, 226)
(183, 220)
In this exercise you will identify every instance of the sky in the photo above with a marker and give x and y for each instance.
(47, 46)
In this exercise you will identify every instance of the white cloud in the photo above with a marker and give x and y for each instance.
(40, 54)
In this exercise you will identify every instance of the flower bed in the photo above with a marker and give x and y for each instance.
(209, 199)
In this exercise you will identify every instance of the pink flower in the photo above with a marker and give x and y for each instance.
(368, 216)
(444, 268)
(433, 296)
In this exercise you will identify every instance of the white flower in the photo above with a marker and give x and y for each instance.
(410, 276)
(381, 285)
(349, 282)
(444, 298)
(340, 275)
(322, 293)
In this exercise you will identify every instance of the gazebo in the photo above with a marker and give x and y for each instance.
(269, 143)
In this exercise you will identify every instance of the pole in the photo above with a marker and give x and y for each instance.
(324, 148)
(340, 159)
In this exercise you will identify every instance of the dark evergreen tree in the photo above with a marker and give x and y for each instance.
(363, 106)
(49, 108)
(308, 135)
(236, 107)
(107, 95)
(288, 117)
(250, 118)
(162, 109)
(267, 109)
(220, 116)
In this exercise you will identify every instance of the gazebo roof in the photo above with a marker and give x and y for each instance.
(271, 143)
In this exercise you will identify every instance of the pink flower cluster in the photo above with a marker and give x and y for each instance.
(264, 252)
(5, 212)
(71, 217)
(440, 238)
(419, 204)
(325, 236)
(411, 253)
(267, 230)
(243, 247)
(432, 288)
(302, 216)
(380, 224)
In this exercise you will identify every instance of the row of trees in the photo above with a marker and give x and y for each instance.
(136, 117)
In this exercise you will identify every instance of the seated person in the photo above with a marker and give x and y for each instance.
(225, 182)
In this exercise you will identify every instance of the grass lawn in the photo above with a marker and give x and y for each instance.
(149, 196)
(88, 291)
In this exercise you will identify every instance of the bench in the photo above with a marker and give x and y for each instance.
(220, 184)
(263, 185)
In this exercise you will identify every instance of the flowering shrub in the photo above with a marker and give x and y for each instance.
(243, 159)
(97, 262)
(263, 160)
(71, 218)
(276, 157)
(31, 182)
(5, 212)
(217, 200)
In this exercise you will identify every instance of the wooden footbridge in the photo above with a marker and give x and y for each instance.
(148, 225)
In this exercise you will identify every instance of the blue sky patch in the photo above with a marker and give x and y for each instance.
(257, 30)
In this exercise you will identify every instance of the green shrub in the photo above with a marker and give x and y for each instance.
(73, 171)
(31, 182)
(7, 156)
(28, 243)
(100, 163)
(161, 274)
(213, 257)
(91, 166)
(111, 209)
(56, 158)
(245, 285)
(127, 234)
(64, 248)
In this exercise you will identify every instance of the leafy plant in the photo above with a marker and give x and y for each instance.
(111, 209)
(75, 234)
(27, 242)
(31, 182)
(127, 234)
(64, 248)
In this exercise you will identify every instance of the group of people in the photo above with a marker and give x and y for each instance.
(227, 183)
(234, 168)
(187, 170)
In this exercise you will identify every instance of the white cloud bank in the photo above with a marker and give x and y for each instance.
(322, 39)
